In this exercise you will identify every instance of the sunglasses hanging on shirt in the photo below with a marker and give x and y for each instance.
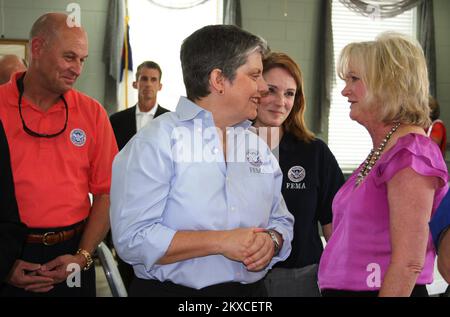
(20, 87)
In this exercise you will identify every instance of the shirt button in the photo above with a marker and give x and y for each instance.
(232, 208)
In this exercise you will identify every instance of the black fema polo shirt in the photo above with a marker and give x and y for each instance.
(311, 178)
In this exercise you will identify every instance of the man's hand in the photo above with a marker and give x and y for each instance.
(57, 268)
(25, 275)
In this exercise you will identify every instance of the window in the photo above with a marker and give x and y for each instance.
(156, 34)
(348, 140)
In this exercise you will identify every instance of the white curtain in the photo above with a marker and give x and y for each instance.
(232, 12)
(381, 8)
(112, 52)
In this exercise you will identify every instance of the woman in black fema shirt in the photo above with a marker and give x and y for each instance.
(311, 176)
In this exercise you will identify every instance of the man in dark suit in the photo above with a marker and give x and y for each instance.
(127, 122)
(12, 231)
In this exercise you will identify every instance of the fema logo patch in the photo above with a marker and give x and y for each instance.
(253, 158)
(296, 174)
(78, 137)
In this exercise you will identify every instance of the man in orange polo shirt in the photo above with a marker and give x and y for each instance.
(62, 146)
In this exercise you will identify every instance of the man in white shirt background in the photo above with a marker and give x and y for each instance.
(127, 122)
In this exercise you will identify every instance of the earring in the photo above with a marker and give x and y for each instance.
(221, 92)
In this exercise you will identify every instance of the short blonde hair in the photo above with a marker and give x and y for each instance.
(394, 70)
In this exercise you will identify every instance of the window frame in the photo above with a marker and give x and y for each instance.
(348, 140)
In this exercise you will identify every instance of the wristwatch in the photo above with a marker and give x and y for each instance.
(88, 258)
(276, 244)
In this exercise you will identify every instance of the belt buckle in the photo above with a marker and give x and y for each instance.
(44, 238)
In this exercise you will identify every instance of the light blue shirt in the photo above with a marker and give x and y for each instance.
(172, 176)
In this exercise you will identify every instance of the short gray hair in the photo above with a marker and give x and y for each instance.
(225, 47)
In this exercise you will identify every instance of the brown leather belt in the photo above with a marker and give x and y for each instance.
(52, 238)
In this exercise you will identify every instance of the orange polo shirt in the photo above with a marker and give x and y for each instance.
(54, 176)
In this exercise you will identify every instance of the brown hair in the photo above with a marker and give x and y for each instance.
(295, 122)
(435, 110)
(149, 65)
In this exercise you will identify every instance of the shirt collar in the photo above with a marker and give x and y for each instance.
(188, 110)
(148, 113)
(12, 86)
(244, 124)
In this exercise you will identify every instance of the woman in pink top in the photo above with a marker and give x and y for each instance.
(381, 243)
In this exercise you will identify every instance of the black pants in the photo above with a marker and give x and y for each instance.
(40, 253)
(155, 288)
(126, 272)
(418, 291)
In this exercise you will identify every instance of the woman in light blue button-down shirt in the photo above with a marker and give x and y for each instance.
(196, 203)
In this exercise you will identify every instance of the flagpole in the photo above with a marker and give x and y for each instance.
(126, 53)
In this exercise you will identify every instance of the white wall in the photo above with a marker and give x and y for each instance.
(293, 34)
(21, 14)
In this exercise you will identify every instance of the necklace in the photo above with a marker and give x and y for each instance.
(374, 155)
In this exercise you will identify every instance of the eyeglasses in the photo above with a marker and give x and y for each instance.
(20, 87)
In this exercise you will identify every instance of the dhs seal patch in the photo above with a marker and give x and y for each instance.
(78, 137)
(296, 174)
(253, 158)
